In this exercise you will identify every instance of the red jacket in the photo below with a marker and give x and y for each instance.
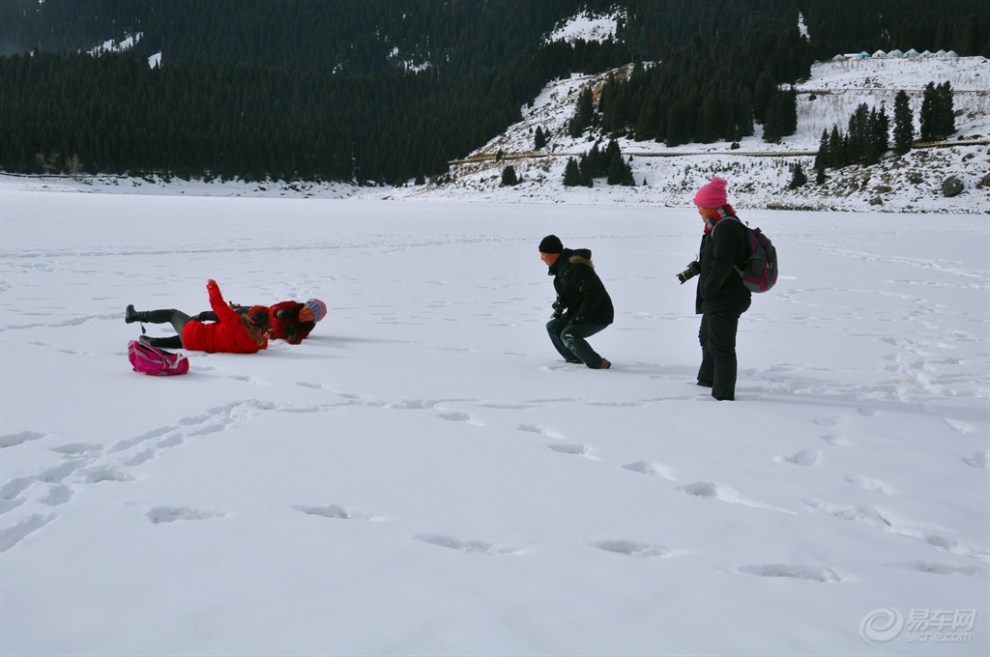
(287, 326)
(229, 335)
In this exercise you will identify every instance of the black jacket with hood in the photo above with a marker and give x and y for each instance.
(720, 287)
(580, 293)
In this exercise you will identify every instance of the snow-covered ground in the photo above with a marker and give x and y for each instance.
(425, 476)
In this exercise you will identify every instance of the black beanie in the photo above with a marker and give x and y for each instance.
(551, 244)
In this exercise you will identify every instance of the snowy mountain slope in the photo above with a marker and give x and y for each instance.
(759, 172)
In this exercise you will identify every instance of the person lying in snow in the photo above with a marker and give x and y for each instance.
(288, 320)
(231, 333)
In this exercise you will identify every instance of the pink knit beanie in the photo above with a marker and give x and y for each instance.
(712, 195)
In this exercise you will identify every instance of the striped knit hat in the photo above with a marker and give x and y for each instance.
(318, 307)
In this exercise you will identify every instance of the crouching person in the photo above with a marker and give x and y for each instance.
(583, 306)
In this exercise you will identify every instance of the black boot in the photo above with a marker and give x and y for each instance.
(131, 315)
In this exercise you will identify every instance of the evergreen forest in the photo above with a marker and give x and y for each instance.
(387, 91)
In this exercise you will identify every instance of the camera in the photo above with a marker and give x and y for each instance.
(692, 270)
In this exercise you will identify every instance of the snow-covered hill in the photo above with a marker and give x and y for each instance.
(758, 172)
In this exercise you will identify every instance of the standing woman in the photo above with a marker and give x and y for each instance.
(721, 297)
(233, 333)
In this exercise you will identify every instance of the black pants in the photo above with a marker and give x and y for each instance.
(717, 336)
(176, 318)
(210, 316)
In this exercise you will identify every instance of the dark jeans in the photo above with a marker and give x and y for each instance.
(718, 354)
(176, 318)
(569, 340)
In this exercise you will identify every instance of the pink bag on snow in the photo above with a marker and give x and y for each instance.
(154, 361)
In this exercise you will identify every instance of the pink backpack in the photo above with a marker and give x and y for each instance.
(154, 361)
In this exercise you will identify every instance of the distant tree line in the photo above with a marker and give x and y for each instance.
(386, 91)
(598, 163)
(115, 114)
(706, 95)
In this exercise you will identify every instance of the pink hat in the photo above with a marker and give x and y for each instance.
(712, 195)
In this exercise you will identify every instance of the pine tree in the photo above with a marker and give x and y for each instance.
(945, 120)
(879, 134)
(540, 139)
(858, 136)
(583, 114)
(509, 178)
(773, 128)
(572, 173)
(788, 112)
(585, 167)
(798, 177)
(928, 113)
(820, 176)
(822, 156)
(836, 149)
(903, 124)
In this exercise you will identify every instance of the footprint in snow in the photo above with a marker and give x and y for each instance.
(980, 460)
(870, 484)
(634, 549)
(458, 416)
(864, 513)
(57, 495)
(946, 569)
(11, 536)
(805, 457)
(14, 439)
(961, 427)
(470, 547)
(810, 573)
(541, 430)
(338, 512)
(651, 469)
(722, 493)
(166, 514)
(106, 473)
(574, 449)
(77, 449)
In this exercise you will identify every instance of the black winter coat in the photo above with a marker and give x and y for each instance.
(580, 293)
(720, 287)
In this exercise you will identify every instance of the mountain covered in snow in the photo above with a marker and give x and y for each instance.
(760, 173)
